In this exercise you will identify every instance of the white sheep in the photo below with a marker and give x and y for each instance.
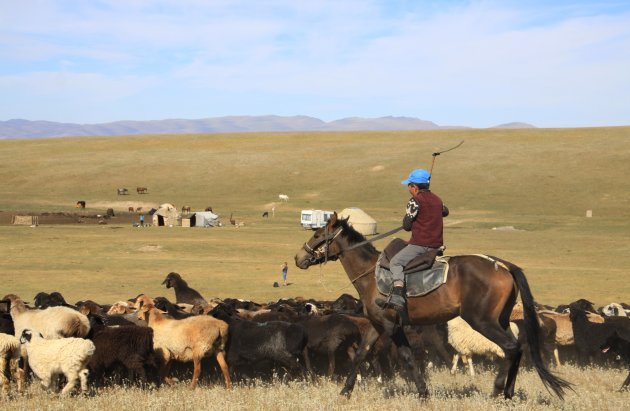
(466, 342)
(9, 358)
(53, 322)
(614, 309)
(67, 356)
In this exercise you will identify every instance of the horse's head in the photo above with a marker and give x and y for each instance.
(322, 246)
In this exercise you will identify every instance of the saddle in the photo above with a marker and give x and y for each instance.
(423, 274)
(420, 263)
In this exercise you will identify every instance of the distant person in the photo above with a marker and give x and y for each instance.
(285, 271)
(424, 218)
(142, 220)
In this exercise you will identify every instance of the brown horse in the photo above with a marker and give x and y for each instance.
(479, 289)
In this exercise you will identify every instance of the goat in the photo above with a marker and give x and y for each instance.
(187, 340)
(283, 197)
(250, 343)
(620, 346)
(590, 336)
(44, 300)
(128, 345)
(330, 334)
(183, 293)
(68, 356)
(162, 303)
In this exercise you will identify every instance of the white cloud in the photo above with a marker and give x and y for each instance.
(333, 58)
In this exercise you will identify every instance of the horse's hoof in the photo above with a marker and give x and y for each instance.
(346, 393)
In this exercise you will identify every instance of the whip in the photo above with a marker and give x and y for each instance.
(437, 153)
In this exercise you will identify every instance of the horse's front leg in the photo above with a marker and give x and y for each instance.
(366, 345)
(409, 362)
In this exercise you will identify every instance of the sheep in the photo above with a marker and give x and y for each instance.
(53, 322)
(467, 342)
(9, 359)
(187, 340)
(67, 356)
(128, 345)
(183, 293)
(614, 309)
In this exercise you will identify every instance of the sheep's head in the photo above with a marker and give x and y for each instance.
(145, 310)
(171, 279)
(27, 336)
(121, 307)
(142, 300)
(14, 302)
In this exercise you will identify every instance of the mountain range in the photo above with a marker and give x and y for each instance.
(18, 128)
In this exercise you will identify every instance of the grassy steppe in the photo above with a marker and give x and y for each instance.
(540, 181)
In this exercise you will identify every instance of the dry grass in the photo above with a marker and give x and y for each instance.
(595, 389)
(539, 181)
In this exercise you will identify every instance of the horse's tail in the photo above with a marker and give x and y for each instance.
(532, 330)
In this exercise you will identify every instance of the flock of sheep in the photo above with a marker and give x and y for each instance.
(143, 337)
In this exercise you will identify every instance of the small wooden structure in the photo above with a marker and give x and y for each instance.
(25, 220)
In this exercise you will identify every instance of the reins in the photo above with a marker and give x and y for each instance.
(328, 240)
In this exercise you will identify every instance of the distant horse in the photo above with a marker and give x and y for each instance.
(130, 209)
(481, 290)
(185, 209)
(265, 214)
(122, 191)
(138, 209)
(141, 190)
(80, 204)
(283, 197)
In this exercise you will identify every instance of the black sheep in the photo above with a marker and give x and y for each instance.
(589, 337)
(128, 346)
(621, 347)
(250, 343)
(183, 293)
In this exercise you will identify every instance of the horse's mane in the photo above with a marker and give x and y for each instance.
(355, 237)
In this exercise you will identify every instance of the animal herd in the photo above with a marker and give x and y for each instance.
(145, 340)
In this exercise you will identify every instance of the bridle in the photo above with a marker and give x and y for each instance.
(318, 252)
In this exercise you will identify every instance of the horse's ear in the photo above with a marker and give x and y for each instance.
(333, 219)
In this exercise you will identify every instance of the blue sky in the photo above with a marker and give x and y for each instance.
(472, 63)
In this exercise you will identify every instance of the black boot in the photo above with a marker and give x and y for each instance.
(396, 300)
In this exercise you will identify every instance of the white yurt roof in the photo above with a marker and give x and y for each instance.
(360, 220)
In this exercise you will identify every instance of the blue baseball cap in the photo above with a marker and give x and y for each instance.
(418, 176)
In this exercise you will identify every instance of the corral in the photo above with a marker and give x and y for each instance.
(539, 181)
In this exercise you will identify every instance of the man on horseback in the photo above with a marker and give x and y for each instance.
(424, 218)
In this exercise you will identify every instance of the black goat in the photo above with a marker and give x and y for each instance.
(162, 303)
(250, 343)
(329, 335)
(183, 293)
(55, 299)
(621, 347)
(589, 337)
(128, 346)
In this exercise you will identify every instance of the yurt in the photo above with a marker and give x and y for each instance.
(165, 215)
(360, 220)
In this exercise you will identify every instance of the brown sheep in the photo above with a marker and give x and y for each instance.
(187, 340)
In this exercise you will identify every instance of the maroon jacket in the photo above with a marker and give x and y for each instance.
(426, 226)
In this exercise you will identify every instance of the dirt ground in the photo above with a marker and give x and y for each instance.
(122, 215)
(6, 218)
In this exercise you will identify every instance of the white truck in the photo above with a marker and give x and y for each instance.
(315, 219)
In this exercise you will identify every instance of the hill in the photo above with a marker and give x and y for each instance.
(37, 129)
